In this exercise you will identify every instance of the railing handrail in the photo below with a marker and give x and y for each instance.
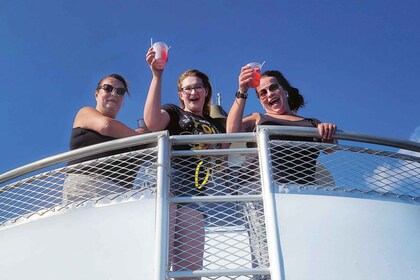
(241, 201)
(344, 135)
(187, 139)
(83, 152)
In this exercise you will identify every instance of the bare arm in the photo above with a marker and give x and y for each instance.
(234, 122)
(234, 119)
(154, 118)
(90, 118)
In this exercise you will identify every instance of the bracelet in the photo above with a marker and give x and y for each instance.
(243, 95)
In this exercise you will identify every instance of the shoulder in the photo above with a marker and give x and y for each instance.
(254, 116)
(249, 122)
(173, 112)
(171, 107)
(89, 117)
(86, 111)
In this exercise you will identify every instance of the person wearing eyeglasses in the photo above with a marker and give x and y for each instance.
(97, 125)
(190, 176)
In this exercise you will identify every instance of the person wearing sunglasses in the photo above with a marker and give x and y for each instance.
(190, 176)
(280, 100)
(296, 165)
(94, 125)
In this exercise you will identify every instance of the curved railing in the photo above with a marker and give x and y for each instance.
(232, 181)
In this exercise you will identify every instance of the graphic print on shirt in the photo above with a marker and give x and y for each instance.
(195, 126)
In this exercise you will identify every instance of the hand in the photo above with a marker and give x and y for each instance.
(244, 77)
(327, 130)
(150, 59)
(142, 130)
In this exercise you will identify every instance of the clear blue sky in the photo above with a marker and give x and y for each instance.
(357, 63)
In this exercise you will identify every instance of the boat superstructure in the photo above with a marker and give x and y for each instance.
(271, 209)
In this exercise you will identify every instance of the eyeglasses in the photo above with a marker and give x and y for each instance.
(273, 87)
(188, 89)
(109, 89)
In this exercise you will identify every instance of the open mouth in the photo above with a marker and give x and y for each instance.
(273, 101)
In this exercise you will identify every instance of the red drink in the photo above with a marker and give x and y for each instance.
(256, 76)
(161, 54)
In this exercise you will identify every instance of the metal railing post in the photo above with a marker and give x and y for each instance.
(162, 210)
(273, 236)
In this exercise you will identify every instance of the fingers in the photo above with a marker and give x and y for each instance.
(150, 56)
(150, 59)
(244, 77)
(327, 130)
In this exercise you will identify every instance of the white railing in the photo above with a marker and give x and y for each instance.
(226, 195)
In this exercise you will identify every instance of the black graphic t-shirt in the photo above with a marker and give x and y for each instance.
(191, 172)
(186, 123)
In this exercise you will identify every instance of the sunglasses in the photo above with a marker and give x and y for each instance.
(273, 87)
(109, 89)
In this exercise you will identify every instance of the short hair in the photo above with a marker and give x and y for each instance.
(117, 77)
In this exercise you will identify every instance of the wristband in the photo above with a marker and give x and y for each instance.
(243, 95)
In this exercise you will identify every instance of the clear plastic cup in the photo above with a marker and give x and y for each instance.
(140, 123)
(256, 76)
(161, 54)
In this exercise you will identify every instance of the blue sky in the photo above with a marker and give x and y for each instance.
(357, 63)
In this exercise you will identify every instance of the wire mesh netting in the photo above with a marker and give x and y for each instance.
(217, 217)
(212, 234)
(350, 169)
(95, 180)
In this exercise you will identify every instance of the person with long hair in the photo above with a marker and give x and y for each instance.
(191, 176)
(281, 102)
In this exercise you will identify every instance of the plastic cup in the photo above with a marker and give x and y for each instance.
(256, 76)
(140, 123)
(161, 54)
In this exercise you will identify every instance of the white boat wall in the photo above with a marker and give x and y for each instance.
(267, 207)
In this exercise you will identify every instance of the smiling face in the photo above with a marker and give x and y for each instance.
(272, 96)
(193, 95)
(109, 103)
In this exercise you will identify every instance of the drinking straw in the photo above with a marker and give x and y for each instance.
(262, 63)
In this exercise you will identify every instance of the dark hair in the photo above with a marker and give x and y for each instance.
(117, 77)
(295, 99)
(206, 82)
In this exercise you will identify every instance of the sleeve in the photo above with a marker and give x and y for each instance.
(174, 113)
(220, 126)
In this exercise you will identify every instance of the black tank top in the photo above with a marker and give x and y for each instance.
(122, 170)
(293, 164)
